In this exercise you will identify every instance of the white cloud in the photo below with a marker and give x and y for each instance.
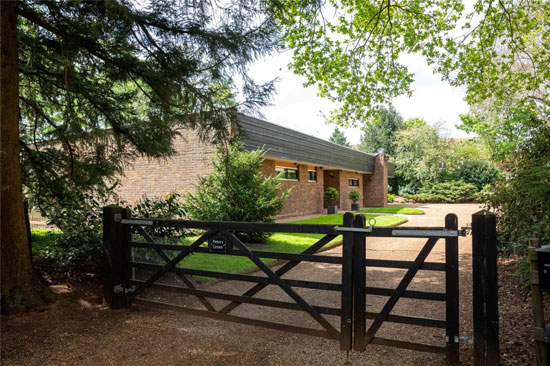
(434, 100)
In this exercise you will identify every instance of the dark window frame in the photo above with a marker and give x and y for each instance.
(285, 171)
(309, 176)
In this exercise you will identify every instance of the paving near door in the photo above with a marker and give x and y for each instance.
(90, 334)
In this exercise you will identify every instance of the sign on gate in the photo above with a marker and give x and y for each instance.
(218, 244)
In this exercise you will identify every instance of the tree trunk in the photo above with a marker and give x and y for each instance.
(20, 288)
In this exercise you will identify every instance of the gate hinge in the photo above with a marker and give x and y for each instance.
(465, 339)
(461, 339)
(120, 289)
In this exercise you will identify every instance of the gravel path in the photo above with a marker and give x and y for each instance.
(92, 335)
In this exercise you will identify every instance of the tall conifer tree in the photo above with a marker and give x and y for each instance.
(89, 85)
(338, 137)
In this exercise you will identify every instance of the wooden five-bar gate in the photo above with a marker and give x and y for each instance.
(123, 288)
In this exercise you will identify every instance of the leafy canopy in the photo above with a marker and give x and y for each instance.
(102, 82)
(353, 50)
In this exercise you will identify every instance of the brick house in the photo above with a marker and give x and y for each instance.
(306, 164)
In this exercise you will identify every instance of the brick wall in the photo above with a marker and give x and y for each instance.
(345, 189)
(180, 173)
(306, 197)
(339, 179)
(375, 189)
(331, 179)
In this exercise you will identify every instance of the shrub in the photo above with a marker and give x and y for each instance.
(237, 191)
(167, 207)
(331, 194)
(478, 172)
(391, 197)
(407, 190)
(81, 226)
(448, 192)
(354, 196)
(484, 194)
(521, 200)
(80, 245)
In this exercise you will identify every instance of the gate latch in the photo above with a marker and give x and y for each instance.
(354, 229)
(465, 230)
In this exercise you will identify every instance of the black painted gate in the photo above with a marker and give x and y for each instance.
(346, 324)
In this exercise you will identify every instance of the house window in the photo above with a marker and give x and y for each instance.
(286, 173)
(311, 174)
(354, 182)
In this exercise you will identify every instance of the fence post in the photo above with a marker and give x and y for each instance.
(537, 306)
(347, 285)
(485, 290)
(359, 273)
(451, 289)
(115, 256)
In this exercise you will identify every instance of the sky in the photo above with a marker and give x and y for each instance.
(297, 107)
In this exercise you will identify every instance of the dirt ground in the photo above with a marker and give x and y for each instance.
(79, 330)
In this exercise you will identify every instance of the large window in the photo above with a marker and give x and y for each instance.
(312, 175)
(354, 182)
(286, 173)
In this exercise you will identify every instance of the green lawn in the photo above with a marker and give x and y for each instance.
(394, 209)
(280, 242)
(43, 239)
(283, 243)
(337, 219)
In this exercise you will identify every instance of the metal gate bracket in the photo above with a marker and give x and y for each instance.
(426, 233)
(354, 229)
(137, 222)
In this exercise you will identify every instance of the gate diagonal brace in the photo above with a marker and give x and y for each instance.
(284, 286)
(166, 258)
(405, 281)
(170, 265)
(281, 271)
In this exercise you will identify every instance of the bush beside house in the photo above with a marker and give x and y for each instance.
(237, 191)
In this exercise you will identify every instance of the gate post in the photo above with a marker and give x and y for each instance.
(346, 318)
(451, 289)
(539, 326)
(485, 290)
(359, 273)
(115, 256)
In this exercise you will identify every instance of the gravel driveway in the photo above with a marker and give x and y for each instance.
(93, 335)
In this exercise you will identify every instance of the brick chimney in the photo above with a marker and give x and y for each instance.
(375, 186)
